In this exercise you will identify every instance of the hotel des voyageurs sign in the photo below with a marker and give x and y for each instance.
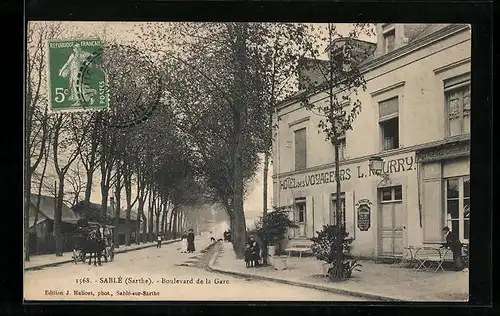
(395, 165)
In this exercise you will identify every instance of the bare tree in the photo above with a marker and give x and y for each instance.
(35, 137)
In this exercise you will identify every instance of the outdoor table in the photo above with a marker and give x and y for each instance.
(429, 255)
(412, 251)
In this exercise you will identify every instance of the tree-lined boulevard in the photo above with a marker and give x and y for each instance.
(187, 121)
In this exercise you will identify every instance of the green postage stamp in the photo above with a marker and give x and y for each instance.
(75, 80)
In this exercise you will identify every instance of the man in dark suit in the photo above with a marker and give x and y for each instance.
(455, 245)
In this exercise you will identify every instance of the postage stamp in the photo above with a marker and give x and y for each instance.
(76, 81)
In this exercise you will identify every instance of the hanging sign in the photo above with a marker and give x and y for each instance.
(364, 218)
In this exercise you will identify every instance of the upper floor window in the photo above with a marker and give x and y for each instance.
(457, 91)
(342, 147)
(389, 123)
(389, 40)
(300, 149)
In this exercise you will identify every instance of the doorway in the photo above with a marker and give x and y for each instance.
(391, 221)
(301, 215)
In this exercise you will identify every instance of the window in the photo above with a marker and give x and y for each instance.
(389, 123)
(391, 194)
(457, 92)
(389, 39)
(333, 209)
(342, 147)
(458, 206)
(300, 149)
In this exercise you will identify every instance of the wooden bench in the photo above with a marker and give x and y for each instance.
(300, 249)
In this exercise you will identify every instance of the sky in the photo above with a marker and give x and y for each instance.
(126, 33)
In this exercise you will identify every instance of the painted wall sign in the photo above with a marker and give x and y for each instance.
(364, 214)
(360, 171)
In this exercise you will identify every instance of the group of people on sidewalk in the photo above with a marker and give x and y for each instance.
(252, 253)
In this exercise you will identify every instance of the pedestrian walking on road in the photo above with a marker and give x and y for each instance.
(158, 240)
(190, 241)
(455, 245)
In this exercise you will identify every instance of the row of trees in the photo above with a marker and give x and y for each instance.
(214, 90)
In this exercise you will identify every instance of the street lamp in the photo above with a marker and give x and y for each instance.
(376, 165)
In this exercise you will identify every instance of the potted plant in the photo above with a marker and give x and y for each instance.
(324, 249)
(273, 227)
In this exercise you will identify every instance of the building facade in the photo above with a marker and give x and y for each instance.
(415, 116)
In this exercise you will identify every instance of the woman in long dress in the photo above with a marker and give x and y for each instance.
(190, 241)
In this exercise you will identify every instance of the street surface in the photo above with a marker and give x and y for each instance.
(158, 274)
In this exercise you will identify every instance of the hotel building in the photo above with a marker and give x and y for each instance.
(415, 116)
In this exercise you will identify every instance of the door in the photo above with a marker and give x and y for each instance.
(301, 209)
(391, 222)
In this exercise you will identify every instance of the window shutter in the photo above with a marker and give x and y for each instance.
(349, 213)
(291, 216)
(388, 107)
(310, 217)
(432, 210)
(300, 149)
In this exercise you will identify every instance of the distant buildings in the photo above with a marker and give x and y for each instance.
(416, 117)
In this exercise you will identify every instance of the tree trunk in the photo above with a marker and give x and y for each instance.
(39, 199)
(339, 258)
(140, 210)
(150, 215)
(170, 220)
(163, 215)
(88, 186)
(58, 217)
(27, 206)
(144, 228)
(104, 205)
(174, 225)
(117, 208)
(128, 196)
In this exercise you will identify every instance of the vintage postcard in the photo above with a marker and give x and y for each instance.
(247, 161)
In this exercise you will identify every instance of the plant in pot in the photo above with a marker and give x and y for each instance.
(326, 248)
(273, 227)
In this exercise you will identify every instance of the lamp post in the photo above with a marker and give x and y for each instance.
(376, 165)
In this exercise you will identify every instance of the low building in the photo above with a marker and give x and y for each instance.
(416, 117)
(93, 212)
(42, 238)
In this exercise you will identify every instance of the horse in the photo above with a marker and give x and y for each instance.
(95, 247)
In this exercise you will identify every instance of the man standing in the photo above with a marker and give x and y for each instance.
(455, 245)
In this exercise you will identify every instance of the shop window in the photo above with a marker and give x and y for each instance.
(389, 123)
(389, 40)
(457, 206)
(458, 105)
(391, 194)
(333, 209)
(300, 149)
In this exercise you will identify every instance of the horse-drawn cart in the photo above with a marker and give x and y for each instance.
(93, 239)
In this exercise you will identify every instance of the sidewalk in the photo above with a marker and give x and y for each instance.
(375, 281)
(49, 260)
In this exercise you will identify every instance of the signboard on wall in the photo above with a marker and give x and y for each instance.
(357, 171)
(364, 214)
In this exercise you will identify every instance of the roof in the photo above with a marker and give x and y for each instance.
(80, 208)
(46, 211)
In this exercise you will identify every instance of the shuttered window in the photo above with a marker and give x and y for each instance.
(458, 106)
(300, 149)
